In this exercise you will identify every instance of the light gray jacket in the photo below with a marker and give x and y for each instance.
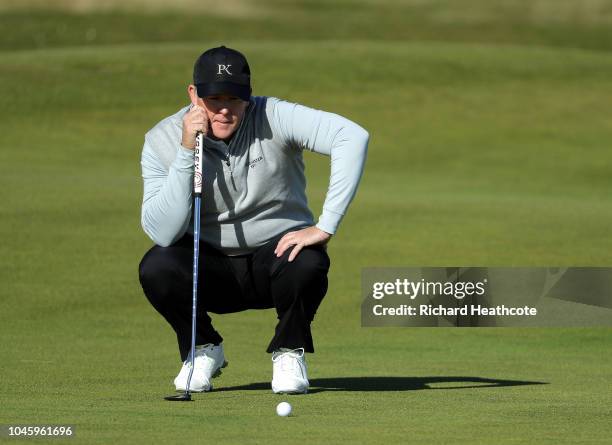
(253, 188)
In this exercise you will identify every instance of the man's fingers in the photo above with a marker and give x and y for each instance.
(201, 127)
(279, 246)
(196, 120)
(300, 239)
(282, 247)
(196, 109)
(283, 244)
(197, 115)
(295, 252)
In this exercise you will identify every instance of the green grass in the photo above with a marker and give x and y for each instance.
(562, 23)
(490, 132)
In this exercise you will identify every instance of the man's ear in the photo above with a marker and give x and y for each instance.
(193, 94)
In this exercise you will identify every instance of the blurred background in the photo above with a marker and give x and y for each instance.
(490, 127)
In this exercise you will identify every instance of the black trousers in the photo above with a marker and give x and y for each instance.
(229, 284)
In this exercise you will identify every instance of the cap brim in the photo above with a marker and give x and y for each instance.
(224, 88)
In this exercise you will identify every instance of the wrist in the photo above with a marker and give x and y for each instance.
(187, 145)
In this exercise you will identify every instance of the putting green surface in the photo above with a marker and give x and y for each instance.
(489, 146)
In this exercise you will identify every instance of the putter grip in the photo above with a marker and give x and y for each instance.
(197, 176)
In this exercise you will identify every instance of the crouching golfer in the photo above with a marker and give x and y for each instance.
(260, 246)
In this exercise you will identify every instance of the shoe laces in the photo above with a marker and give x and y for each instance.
(289, 359)
(202, 356)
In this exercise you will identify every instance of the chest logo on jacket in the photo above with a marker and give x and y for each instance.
(255, 161)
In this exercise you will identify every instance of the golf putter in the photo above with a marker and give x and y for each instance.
(197, 193)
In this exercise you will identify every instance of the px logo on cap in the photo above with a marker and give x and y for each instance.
(224, 68)
(222, 71)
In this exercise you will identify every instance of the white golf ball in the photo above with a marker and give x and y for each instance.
(283, 409)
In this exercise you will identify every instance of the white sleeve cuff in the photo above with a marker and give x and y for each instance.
(329, 221)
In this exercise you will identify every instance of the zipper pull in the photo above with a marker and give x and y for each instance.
(229, 167)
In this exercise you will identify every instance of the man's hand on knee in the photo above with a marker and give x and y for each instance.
(309, 236)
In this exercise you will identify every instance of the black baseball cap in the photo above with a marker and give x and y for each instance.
(222, 71)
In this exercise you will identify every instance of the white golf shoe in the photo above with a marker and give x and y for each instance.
(209, 359)
(289, 371)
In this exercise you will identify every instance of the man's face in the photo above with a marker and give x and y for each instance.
(224, 114)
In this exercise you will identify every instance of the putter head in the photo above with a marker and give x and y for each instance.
(185, 397)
